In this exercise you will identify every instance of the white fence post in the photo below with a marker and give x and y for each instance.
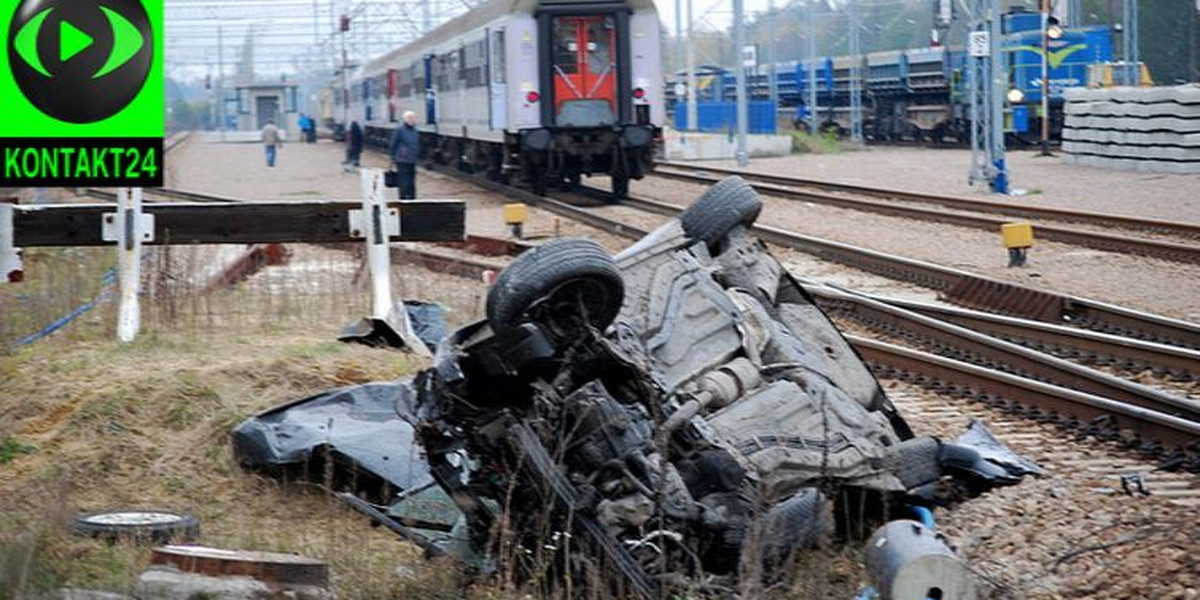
(374, 226)
(378, 224)
(10, 255)
(128, 227)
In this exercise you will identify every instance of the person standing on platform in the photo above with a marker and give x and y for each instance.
(271, 141)
(354, 147)
(404, 149)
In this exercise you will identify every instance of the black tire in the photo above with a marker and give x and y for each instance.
(148, 525)
(563, 283)
(729, 203)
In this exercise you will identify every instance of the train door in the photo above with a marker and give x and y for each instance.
(584, 70)
(430, 92)
(498, 80)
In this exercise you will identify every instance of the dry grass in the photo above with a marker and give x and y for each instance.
(147, 425)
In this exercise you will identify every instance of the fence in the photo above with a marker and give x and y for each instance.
(193, 273)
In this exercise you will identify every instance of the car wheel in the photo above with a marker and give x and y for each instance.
(563, 283)
(158, 526)
(729, 203)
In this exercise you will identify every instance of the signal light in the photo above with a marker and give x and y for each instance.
(639, 93)
(532, 97)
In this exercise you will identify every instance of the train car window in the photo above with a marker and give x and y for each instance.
(600, 34)
(566, 38)
(499, 60)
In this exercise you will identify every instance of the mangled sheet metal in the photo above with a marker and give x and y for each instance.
(641, 424)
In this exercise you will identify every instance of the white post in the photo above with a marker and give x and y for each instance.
(10, 255)
(129, 261)
(375, 230)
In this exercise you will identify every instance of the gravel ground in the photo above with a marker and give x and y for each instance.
(1071, 533)
(1048, 181)
(1155, 285)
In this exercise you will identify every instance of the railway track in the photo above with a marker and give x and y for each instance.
(855, 200)
(954, 359)
(688, 172)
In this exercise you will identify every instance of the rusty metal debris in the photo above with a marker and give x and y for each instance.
(650, 422)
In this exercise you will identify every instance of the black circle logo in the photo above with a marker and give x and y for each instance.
(80, 61)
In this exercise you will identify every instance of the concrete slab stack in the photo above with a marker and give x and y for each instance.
(1138, 129)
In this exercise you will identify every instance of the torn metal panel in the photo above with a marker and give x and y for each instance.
(362, 423)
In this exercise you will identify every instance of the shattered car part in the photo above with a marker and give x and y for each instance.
(662, 408)
(138, 524)
(907, 561)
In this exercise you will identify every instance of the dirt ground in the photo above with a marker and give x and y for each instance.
(1045, 181)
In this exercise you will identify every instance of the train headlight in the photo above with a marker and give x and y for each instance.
(1054, 31)
(639, 93)
(532, 97)
(1016, 96)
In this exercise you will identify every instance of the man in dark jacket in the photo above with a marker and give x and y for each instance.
(354, 146)
(404, 149)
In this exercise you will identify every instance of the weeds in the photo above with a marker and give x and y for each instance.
(10, 449)
(822, 143)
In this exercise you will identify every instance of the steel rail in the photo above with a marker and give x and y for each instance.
(1185, 230)
(958, 342)
(1103, 417)
(1181, 364)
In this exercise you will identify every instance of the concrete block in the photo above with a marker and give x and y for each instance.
(1133, 109)
(1125, 164)
(1133, 138)
(707, 146)
(1165, 153)
(1135, 124)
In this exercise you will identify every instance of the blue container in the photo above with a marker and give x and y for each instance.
(721, 117)
(1020, 118)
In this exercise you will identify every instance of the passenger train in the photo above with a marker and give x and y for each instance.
(550, 90)
(921, 94)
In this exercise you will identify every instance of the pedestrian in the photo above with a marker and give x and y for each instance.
(270, 140)
(404, 149)
(354, 147)
(312, 130)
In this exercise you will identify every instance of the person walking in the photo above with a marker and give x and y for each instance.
(270, 140)
(404, 149)
(354, 147)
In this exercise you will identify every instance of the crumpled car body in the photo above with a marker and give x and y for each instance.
(651, 420)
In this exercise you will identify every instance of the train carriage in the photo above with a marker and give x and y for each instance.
(549, 90)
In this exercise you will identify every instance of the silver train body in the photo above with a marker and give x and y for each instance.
(547, 90)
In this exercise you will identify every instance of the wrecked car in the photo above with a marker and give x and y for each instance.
(643, 422)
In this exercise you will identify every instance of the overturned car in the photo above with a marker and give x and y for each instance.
(658, 420)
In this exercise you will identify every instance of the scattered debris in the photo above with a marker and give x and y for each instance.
(190, 572)
(142, 525)
(678, 418)
(427, 322)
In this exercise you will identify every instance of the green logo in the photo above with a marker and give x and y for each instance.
(1056, 57)
(81, 93)
(80, 61)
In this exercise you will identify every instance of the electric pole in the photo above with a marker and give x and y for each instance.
(739, 41)
(1045, 117)
(856, 60)
(692, 110)
(812, 66)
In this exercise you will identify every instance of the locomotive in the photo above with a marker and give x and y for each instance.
(550, 90)
(921, 94)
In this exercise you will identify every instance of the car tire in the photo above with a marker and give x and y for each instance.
(567, 270)
(157, 526)
(729, 203)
